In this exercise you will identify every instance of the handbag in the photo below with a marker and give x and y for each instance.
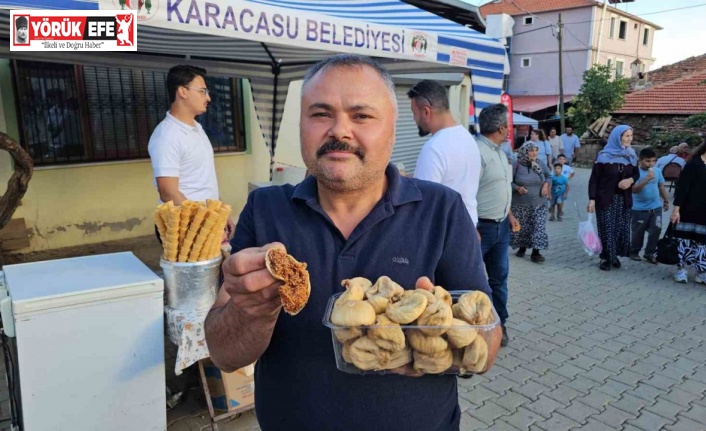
(668, 247)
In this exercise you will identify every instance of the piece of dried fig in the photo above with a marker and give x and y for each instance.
(347, 334)
(473, 307)
(407, 309)
(436, 314)
(355, 290)
(366, 355)
(433, 363)
(441, 294)
(379, 303)
(387, 334)
(399, 358)
(475, 356)
(384, 286)
(353, 313)
(460, 334)
(425, 344)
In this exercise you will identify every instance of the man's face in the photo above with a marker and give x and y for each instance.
(561, 160)
(569, 130)
(422, 114)
(552, 133)
(683, 148)
(648, 163)
(347, 131)
(22, 33)
(195, 98)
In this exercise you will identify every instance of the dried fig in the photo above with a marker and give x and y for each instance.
(441, 293)
(425, 344)
(475, 356)
(435, 363)
(346, 352)
(430, 296)
(379, 303)
(353, 313)
(384, 286)
(399, 358)
(436, 314)
(473, 307)
(407, 309)
(366, 355)
(387, 334)
(348, 334)
(460, 334)
(355, 290)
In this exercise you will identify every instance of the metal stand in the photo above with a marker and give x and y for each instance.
(215, 418)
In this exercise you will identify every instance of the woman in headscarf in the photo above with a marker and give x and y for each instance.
(689, 215)
(610, 195)
(529, 202)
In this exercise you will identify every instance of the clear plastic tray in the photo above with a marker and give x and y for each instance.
(435, 362)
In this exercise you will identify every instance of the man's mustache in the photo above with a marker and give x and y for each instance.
(336, 145)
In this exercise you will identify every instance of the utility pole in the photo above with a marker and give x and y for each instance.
(600, 33)
(560, 37)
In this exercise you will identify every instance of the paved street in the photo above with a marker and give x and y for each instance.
(594, 350)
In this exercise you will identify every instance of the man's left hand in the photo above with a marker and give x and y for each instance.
(665, 206)
(230, 230)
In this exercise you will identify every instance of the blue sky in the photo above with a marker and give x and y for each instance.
(683, 33)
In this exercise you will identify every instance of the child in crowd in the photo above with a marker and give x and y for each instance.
(560, 186)
(568, 172)
(647, 207)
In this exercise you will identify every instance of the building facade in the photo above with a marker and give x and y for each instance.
(617, 39)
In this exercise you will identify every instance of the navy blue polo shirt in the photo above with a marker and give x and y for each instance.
(418, 228)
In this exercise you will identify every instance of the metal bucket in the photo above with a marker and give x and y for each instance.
(191, 286)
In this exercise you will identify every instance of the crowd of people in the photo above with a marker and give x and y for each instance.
(354, 215)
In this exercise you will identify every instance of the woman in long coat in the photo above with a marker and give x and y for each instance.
(530, 186)
(610, 195)
(689, 214)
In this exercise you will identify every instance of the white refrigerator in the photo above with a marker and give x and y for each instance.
(88, 343)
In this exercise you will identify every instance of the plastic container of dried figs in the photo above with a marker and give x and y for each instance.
(394, 344)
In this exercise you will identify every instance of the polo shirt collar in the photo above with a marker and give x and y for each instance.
(489, 143)
(400, 190)
(183, 126)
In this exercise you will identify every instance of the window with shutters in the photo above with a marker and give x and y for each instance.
(74, 114)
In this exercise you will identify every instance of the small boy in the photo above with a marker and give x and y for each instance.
(560, 186)
(647, 207)
(568, 172)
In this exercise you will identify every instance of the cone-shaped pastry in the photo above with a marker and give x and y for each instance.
(198, 246)
(184, 251)
(208, 246)
(223, 214)
(213, 204)
(164, 211)
(161, 227)
(172, 243)
(196, 223)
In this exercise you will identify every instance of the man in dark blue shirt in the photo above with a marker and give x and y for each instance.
(355, 216)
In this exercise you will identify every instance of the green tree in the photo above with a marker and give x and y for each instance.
(696, 121)
(598, 97)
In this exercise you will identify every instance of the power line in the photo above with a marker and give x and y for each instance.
(641, 15)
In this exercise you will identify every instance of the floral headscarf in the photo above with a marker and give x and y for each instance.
(524, 160)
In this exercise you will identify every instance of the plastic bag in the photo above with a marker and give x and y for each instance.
(588, 236)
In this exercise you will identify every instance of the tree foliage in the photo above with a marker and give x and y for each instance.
(598, 97)
(696, 121)
(664, 140)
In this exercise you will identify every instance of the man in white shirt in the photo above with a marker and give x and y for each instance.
(570, 143)
(555, 143)
(450, 157)
(181, 153)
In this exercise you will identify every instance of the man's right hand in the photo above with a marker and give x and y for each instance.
(591, 206)
(251, 287)
(650, 174)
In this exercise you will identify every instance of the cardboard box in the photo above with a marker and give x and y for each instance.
(230, 391)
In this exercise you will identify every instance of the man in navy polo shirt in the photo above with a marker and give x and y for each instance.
(354, 216)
